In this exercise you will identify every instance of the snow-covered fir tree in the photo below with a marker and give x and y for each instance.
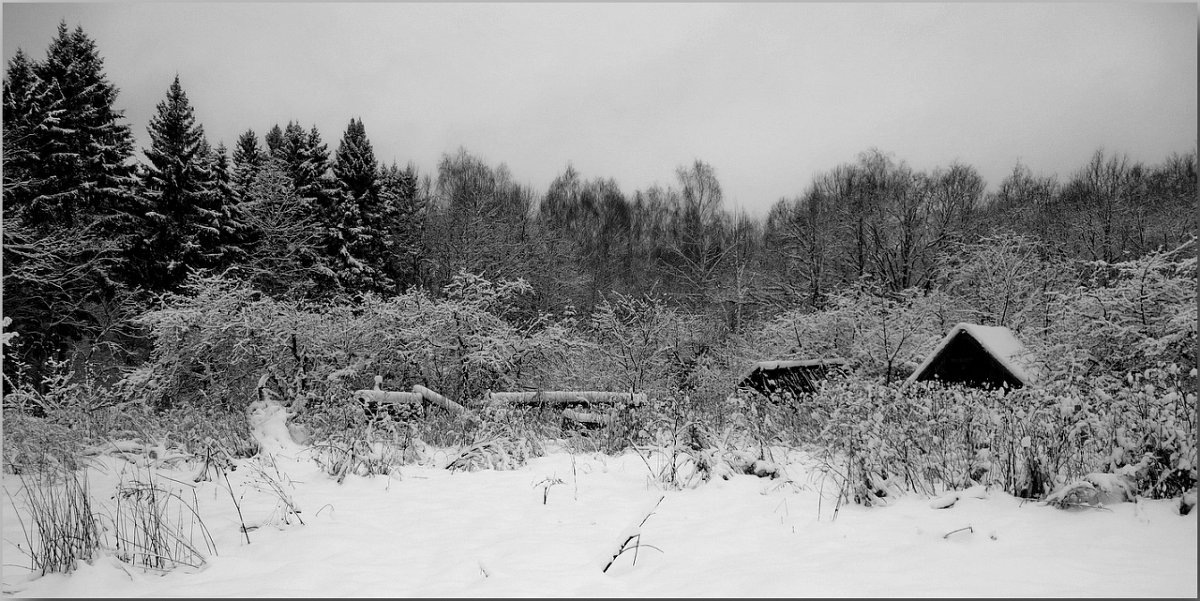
(67, 179)
(274, 139)
(84, 159)
(406, 212)
(183, 219)
(248, 159)
(360, 218)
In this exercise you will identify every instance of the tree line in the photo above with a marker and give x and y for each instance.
(93, 237)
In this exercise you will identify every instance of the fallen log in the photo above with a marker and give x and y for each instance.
(439, 400)
(388, 396)
(566, 397)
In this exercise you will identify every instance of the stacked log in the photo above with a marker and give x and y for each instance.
(376, 400)
(566, 397)
(387, 396)
(587, 418)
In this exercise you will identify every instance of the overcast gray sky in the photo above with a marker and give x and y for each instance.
(768, 93)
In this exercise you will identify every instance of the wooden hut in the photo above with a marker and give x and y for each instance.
(797, 377)
(978, 356)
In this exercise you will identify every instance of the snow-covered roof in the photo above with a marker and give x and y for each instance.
(787, 364)
(998, 341)
(802, 363)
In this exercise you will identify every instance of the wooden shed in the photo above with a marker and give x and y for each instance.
(776, 377)
(980, 357)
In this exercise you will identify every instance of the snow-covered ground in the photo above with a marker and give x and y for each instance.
(429, 532)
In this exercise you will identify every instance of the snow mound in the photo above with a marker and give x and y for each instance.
(1095, 489)
(1187, 502)
(948, 500)
(268, 425)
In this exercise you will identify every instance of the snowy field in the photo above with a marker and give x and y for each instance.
(430, 532)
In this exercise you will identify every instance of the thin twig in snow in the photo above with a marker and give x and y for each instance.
(967, 528)
(635, 538)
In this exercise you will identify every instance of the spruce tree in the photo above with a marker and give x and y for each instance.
(405, 212)
(292, 148)
(248, 160)
(236, 234)
(355, 166)
(183, 209)
(30, 113)
(315, 180)
(274, 139)
(86, 156)
(360, 218)
(304, 159)
(67, 177)
(222, 173)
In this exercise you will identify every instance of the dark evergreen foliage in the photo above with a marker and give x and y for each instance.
(67, 182)
(359, 220)
(185, 223)
(274, 139)
(248, 160)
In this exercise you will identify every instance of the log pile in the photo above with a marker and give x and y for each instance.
(588, 419)
(575, 404)
(559, 398)
(376, 401)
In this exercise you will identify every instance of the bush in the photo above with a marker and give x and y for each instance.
(34, 445)
(223, 342)
(1128, 316)
(929, 438)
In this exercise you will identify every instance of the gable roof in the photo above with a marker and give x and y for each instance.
(997, 341)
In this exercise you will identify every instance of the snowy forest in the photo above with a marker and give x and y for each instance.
(154, 296)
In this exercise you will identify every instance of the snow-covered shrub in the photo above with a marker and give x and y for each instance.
(356, 451)
(47, 426)
(632, 344)
(212, 345)
(225, 345)
(713, 378)
(799, 333)
(1029, 442)
(496, 447)
(62, 391)
(683, 448)
(1125, 317)
(1005, 280)
(479, 340)
(37, 444)
(1150, 426)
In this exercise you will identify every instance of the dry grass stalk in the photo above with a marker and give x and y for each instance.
(63, 530)
(156, 528)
